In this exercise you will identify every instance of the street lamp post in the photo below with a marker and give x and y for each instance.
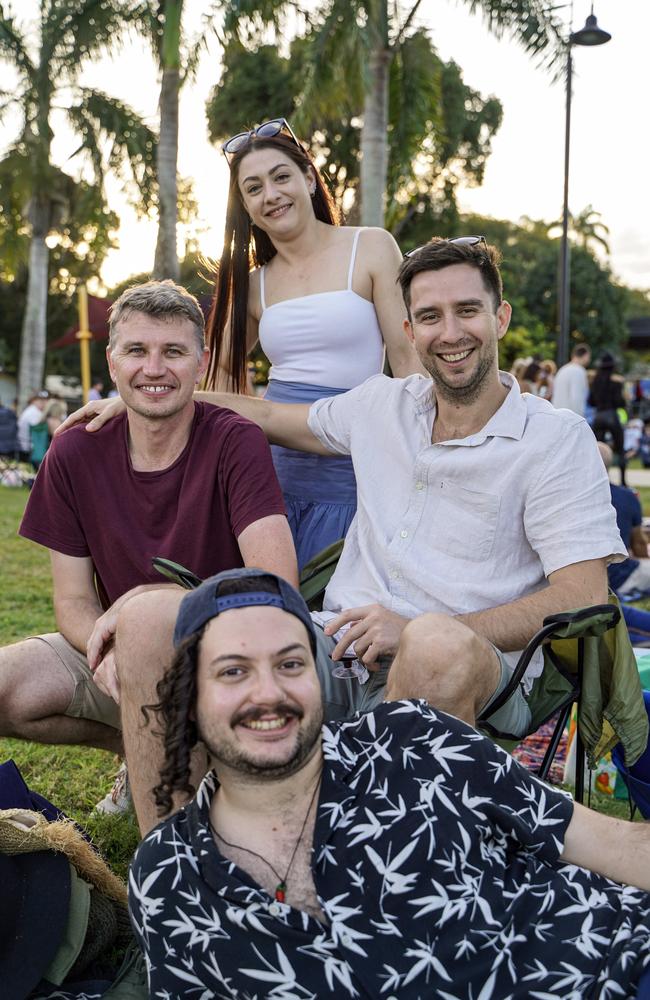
(591, 34)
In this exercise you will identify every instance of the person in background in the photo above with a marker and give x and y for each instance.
(519, 366)
(323, 300)
(53, 415)
(606, 396)
(96, 390)
(549, 369)
(30, 416)
(534, 379)
(644, 445)
(633, 574)
(570, 385)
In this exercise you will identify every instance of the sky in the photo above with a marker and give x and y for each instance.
(610, 138)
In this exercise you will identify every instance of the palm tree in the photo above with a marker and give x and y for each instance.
(47, 59)
(585, 228)
(167, 23)
(359, 39)
(178, 59)
(589, 228)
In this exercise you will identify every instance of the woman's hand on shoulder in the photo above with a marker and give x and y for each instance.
(94, 414)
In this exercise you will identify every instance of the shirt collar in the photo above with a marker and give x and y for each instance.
(509, 421)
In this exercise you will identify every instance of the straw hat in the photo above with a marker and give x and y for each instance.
(23, 831)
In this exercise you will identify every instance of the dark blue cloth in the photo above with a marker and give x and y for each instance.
(14, 794)
(320, 493)
(628, 516)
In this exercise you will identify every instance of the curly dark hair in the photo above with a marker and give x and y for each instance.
(176, 703)
(175, 706)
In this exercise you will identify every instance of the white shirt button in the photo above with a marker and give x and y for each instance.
(404, 533)
(274, 910)
(418, 486)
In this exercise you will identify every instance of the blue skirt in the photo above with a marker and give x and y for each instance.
(320, 492)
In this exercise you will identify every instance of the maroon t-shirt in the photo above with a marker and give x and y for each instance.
(87, 500)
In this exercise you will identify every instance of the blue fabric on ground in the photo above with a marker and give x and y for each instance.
(628, 516)
(320, 492)
(638, 623)
(14, 794)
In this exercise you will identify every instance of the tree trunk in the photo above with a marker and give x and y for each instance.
(374, 139)
(166, 259)
(33, 337)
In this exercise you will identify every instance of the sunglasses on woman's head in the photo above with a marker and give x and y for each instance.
(264, 131)
(468, 240)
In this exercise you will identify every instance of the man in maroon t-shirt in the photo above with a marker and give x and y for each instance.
(170, 477)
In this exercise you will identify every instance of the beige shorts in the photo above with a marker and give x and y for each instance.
(88, 702)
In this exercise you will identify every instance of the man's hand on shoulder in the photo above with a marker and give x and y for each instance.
(374, 631)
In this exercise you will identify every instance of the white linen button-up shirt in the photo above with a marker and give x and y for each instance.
(468, 524)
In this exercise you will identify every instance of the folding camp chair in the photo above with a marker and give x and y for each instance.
(588, 661)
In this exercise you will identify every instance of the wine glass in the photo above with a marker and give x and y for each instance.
(350, 666)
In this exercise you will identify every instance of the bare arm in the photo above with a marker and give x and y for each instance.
(510, 626)
(612, 847)
(283, 423)
(267, 544)
(76, 605)
(384, 258)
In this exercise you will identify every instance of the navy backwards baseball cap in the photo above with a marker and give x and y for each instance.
(204, 603)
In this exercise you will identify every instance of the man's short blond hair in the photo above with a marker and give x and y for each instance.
(161, 300)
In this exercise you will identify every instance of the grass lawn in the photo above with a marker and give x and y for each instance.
(71, 777)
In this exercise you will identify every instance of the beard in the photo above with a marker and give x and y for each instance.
(463, 393)
(228, 752)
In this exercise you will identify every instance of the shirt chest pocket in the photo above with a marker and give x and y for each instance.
(464, 522)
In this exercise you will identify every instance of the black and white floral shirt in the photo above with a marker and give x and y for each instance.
(436, 863)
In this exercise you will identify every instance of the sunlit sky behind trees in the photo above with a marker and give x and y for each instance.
(524, 176)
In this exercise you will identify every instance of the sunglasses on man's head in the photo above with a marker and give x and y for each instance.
(468, 240)
(264, 131)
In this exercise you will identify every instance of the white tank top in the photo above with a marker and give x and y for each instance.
(328, 338)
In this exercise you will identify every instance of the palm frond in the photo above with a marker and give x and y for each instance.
(13, 47)
(77, 30)
(114, 136)
(337, 64)
(534, 24)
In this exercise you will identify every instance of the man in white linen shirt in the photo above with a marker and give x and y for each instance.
(480, 511)
(570, 385)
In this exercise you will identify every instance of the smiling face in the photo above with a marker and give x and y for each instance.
(455, 328)
(259, 704)
(276, 193)
(156, 364)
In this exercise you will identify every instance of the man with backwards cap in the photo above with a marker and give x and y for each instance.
(397, 853)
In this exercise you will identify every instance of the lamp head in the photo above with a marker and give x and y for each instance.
(591, 34)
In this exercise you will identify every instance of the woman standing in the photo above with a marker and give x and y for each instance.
(606, 396)
(321, 298)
